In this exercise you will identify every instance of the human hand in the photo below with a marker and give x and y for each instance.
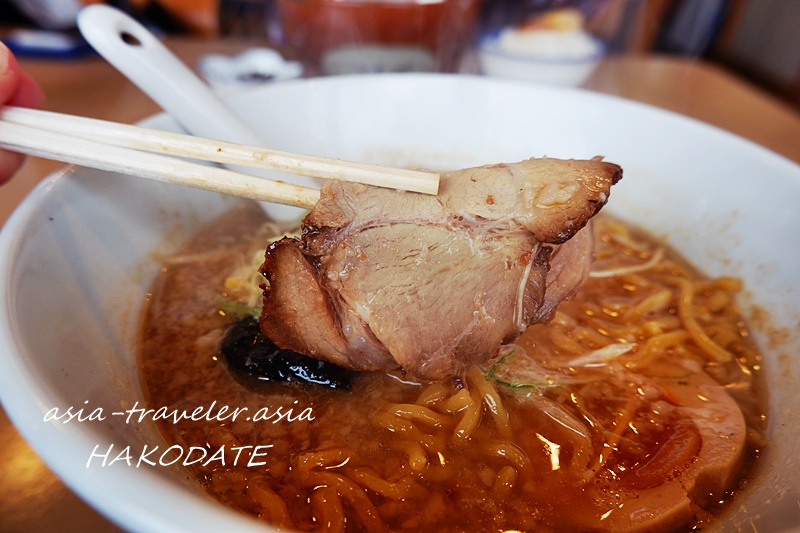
(16, 88)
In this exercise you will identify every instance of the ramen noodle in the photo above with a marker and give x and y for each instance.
(637, 407)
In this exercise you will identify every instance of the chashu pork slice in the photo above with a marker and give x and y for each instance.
(434, 285)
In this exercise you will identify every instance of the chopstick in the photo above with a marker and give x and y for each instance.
(57, 146)
(147, 153)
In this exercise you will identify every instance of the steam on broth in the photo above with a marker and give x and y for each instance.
(637, 407)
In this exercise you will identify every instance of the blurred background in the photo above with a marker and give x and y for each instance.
(756, 39)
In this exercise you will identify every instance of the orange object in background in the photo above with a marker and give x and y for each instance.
(198, 16)
(345, 36)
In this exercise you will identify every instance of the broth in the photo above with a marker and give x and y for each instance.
(644, 385)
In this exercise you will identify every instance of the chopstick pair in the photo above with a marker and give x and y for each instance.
(155, 154)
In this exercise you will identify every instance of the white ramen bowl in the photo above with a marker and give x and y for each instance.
(78, 256)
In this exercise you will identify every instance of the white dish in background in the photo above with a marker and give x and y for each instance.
(564, 58)
(247, 70)
(78, 256)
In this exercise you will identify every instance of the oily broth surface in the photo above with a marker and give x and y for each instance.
(554, 452)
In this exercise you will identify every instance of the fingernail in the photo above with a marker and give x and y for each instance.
(4, 54)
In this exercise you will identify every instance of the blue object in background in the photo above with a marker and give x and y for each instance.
(692, 27)
(46, 44)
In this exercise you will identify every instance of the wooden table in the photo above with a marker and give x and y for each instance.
(33, 499)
